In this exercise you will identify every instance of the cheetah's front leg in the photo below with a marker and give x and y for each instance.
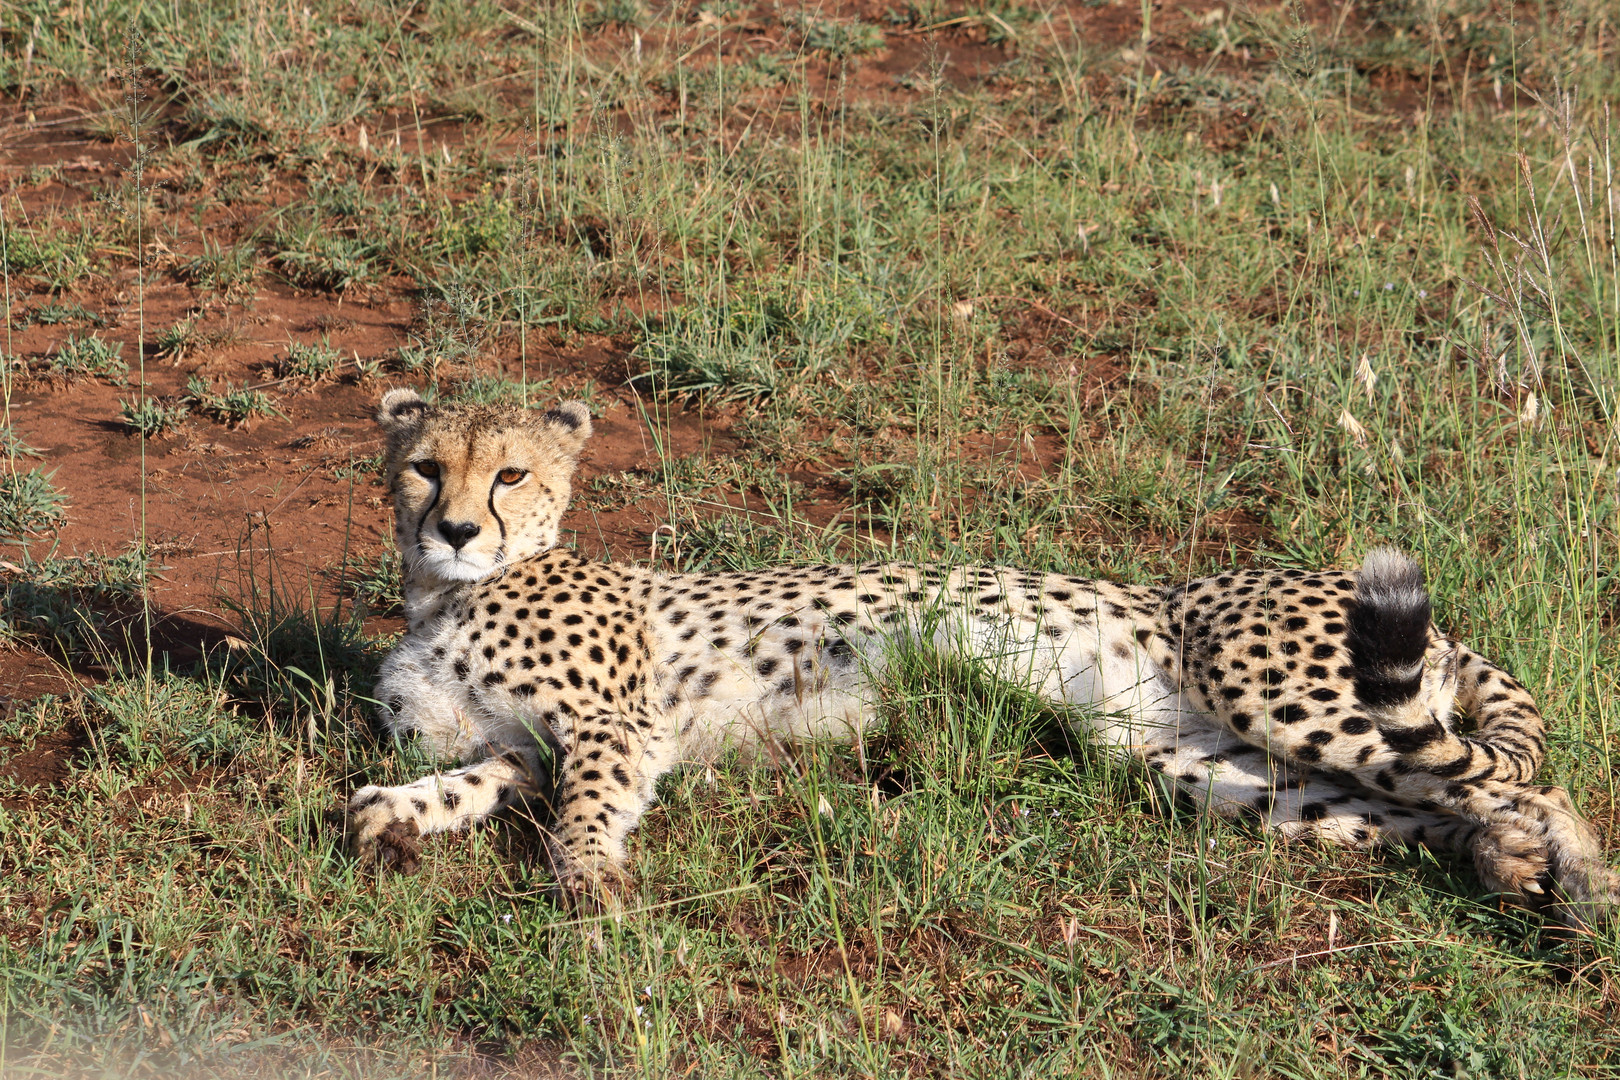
(605, 784)
(385, 824)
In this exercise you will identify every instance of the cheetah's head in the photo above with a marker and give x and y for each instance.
(475, 486)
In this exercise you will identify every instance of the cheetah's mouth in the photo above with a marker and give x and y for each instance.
(447, 564)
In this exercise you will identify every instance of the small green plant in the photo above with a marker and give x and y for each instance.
(628, 14)
(838, 39)
(151, 416)
(89, 357)
(53, 314)
(359, 468)
(228, 271)
(30, 504)
(235, 406)
(425, 354)
(486, 222)
(723, 11)
(178, 340)
(12, 446)
(295, 660)
(495, 390)
(310, 363)
(375, 581)
(53, 258)
(751, 347)
(312, 256)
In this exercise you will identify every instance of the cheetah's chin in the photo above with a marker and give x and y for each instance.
(449, 566)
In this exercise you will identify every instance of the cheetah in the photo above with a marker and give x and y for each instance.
(1322, 705)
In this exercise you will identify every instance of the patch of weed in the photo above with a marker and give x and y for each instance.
(752, 347)
(55, 257)
(359, 468)
(177, 341)
(89, 358)
(300, 665)
(309, 362)
(838, 39)
(628, 14)
(485, 223)
(63, 604)
(30, 505)
(235, 406)
(312, 254)
(230, 271)
(152, 416)
(52, 313)
(375, 580)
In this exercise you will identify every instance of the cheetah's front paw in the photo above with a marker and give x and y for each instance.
(380, 836)
(598, 888)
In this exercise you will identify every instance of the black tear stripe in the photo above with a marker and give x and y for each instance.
(492, 512)
(438, 486)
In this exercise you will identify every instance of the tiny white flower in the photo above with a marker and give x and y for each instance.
(1423, 293)
(506, 918)
(1276, 199)
(1389, 286)
(638, 1010)
(823, 807)
(647, 990)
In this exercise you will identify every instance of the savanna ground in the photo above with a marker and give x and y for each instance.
(1135, 290)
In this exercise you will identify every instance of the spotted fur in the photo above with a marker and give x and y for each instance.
(1322, 705)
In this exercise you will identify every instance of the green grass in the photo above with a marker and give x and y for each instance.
(234, 406)
(29, 503)
(151, 417)
(88, 357)
(1287, 301)
(309, 363)
(67, 606)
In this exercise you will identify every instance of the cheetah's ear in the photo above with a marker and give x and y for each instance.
(401, 411)
(569, 423)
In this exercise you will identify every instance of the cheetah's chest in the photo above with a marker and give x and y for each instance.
(549, 632)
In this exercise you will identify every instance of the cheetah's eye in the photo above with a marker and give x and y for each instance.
(511, 476)
(429, 469)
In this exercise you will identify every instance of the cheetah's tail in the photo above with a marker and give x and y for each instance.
(1388, 630)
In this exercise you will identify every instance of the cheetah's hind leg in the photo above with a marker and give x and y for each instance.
(1549, 860)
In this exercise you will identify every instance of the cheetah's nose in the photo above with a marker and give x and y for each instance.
(457, 533)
